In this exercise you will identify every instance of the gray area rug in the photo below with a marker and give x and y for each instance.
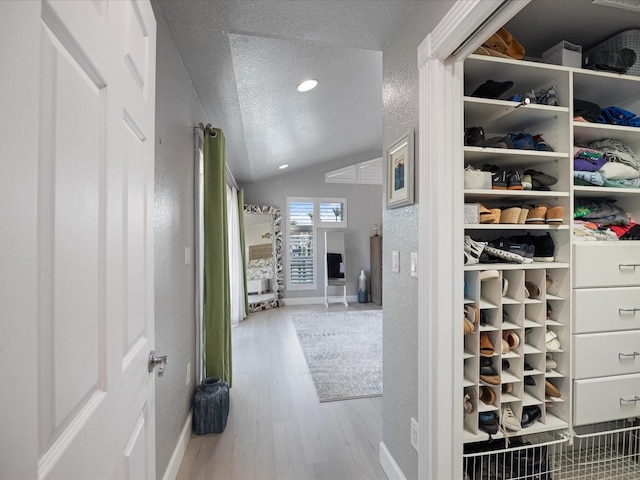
(343, 352)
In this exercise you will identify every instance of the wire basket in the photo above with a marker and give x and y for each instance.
(536, 457)
(608, 451)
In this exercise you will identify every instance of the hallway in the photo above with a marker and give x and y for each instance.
(277, 429)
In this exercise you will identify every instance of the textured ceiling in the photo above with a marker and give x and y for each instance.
(245, 59)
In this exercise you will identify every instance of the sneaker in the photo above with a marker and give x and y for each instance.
(499, 180)
(547, 97)
(540, 144)
(544, 248)
(508, 419)
(540, 179)
(513, 180)
(522, 141)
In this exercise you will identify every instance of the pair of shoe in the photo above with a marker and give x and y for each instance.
(530, 415)
(552, 342)
(506, 180)
(509, 419)
(540, 180)
(524, 250)
(542, 214)
(469, 397)
(471, 317)
(486, 347)
(531, 290)
(487, 395)
(547, 97)
(550, 390)
(488, 422)
(511, 338)
(543, 246)
(488, 372)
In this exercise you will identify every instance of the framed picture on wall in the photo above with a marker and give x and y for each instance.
(400, 179)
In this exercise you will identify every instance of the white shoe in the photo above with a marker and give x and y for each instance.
(509, 420)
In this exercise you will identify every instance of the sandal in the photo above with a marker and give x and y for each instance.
(537, 215)
(486, 347)
(554, 215)
(488, 373)
(468, 327)
(468, 404)
(487, 395)
(531, 290)
(551, 390)
(505, 347)
(512, 339)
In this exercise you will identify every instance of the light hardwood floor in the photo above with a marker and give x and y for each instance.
(277, 428)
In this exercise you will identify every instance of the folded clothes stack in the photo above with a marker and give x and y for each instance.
(606, 163)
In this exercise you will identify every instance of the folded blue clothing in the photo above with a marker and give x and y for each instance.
(619, 116)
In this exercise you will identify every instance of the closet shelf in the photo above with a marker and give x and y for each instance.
(505, 226)
(477, 194)
(515, 266)
(510, 157)
(588, 132)
(554, 297)
(584, 192)
(502, 116)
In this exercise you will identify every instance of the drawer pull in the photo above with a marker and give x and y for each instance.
(628, 310)
(628, 265)
(634, 354)
(633, 400)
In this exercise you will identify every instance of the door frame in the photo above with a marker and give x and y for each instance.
(440, 292)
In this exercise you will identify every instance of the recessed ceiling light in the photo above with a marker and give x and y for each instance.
(307, 85)
(282, 167)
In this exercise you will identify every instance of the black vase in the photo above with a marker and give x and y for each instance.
(211, 406)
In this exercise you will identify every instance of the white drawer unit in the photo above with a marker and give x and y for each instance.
(606, 309)
(606, 264)
(605, 399)
(605, 354)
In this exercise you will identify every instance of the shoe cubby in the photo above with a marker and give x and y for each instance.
(513, 303)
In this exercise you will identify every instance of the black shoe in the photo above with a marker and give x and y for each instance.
(514, 181)
(526, 243)
(473, 135)
(529, 381)
(499, 180)
(488, 422)
(530, 414)
(527, 366)
(523, 249)
(544, 249)
(492, 89)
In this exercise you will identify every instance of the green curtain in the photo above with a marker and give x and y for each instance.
(242, 248)
(217, 303)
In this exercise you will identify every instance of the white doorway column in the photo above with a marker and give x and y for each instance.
(440, 147)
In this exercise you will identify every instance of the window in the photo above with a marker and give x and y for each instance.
(304, 217)
(301, 239)
(333, 213)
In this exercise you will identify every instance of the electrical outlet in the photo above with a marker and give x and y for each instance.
(188, 379)
(414, 433)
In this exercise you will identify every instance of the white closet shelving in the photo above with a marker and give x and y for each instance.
(524, 370)
(594, 296)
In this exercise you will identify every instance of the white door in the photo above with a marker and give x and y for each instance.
(77, 85)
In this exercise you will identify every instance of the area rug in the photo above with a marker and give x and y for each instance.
(343, 351)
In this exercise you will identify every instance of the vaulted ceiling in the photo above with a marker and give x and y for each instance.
(245, 59)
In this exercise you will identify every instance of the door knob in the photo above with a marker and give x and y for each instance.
(159, 360)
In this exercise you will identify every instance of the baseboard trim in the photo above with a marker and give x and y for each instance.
(389, 465)
(317, 300)
(178, 453)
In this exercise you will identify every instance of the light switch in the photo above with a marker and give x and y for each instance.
(395, 261)
(414, 264)
(187, 256)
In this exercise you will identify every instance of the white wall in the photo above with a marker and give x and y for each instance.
(178, 110)
(400, 290)
(364, 204)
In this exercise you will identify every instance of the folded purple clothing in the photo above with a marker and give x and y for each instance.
(587, 159)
